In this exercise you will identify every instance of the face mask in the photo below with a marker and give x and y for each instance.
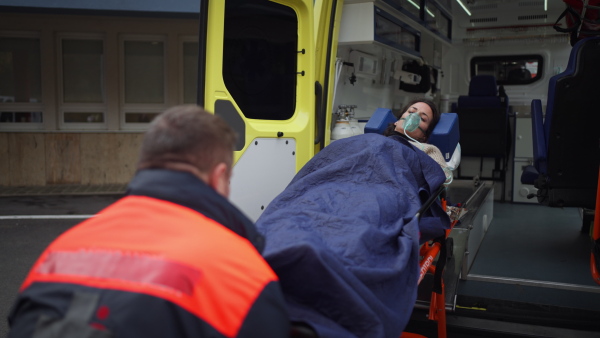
(411, 122)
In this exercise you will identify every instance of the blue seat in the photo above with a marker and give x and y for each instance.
(483, 121)
(483, 93)
(566, 141)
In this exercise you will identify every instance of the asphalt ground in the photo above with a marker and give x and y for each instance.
(27, 225)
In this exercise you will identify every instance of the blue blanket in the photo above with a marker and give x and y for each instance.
(343, 238)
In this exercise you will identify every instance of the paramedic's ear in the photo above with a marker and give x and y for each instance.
(219, 178)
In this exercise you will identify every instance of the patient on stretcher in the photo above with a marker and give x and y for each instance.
(427, 112)
(343, 238)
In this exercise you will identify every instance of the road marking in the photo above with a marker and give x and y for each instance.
(46, 217)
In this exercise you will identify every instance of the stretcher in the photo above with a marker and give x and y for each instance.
(440, 248)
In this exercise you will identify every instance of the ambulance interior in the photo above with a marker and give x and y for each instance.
(520, 261)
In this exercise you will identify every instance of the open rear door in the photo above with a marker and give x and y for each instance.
(328, 14)
(256, 70)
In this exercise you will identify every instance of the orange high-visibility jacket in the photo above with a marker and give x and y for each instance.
(153, 268)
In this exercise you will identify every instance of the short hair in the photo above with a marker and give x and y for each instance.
(434, 121)
(187, 134)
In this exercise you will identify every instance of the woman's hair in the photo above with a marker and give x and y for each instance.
(434, 121)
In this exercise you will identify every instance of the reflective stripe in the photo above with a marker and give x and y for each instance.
(123, 266)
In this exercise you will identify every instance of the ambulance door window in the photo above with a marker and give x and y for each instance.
(260, 57)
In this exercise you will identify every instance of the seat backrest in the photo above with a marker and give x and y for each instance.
(483, 119)
(483, 92)
(483, 85)
(572, 129)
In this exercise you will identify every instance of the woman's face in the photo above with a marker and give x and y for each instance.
(426, 115)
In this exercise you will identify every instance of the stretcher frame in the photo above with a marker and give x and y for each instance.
(428, 252)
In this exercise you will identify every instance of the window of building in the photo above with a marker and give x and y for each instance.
(189, 70)
(82, 86)
(509, 69)
(20, 82)
(143, 77)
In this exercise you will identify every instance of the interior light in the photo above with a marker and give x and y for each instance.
(546, 5)
(463, 7)
(414, 4)
(419, 7)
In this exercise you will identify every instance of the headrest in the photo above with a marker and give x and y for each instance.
(483, 85)
(445, 135)
(381, 118)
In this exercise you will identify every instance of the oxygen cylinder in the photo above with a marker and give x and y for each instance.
(355, 127)
(341, 130)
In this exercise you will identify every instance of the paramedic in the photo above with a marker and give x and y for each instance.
(173, 258)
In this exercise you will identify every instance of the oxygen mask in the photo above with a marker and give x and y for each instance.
(411, 123)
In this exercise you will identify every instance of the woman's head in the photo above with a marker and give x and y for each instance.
(428, 113)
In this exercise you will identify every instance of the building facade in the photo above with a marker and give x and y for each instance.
(78, 87)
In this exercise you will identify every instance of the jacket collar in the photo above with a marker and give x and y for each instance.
(187, 190)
